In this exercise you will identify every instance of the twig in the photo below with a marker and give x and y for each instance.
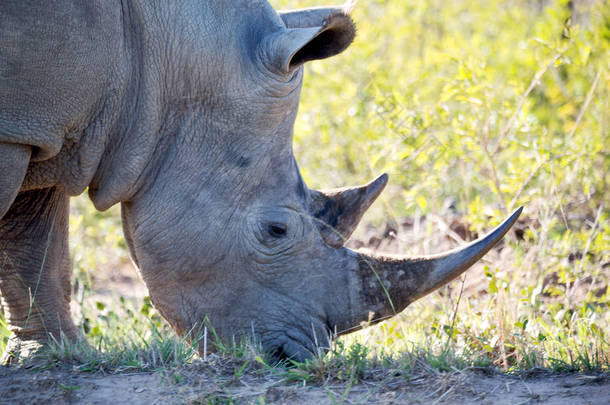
(554, 193)
(445, 393)
(445, 228)
(586, 251)
(526, 386)
(586, 104)
(205, 343)
(526, 182)
(533, 84)
(495, 178)
(457, 304)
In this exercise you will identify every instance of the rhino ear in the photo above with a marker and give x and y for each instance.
(339, 211)
(311, 34)
(314, 16)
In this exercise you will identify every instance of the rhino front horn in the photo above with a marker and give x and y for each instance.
(385, 285)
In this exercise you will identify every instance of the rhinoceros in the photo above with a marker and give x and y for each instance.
(183, 112)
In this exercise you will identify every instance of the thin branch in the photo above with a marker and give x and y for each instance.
(586, 104)
(526, 182)
(535, 81)
(457, 305)
(495, 179)
(586, 251)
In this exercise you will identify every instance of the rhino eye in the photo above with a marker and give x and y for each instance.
(277, 230)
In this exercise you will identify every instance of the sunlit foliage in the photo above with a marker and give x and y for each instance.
(481, 106)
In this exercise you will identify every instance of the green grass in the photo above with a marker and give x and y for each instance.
(473, 108)
(138, 340)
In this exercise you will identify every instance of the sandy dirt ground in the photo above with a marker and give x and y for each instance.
(196, 386)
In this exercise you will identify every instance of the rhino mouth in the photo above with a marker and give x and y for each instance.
(288, 352)
(291, 351)
(297, 347)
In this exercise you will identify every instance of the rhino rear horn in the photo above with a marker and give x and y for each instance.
(309, 35)
(338, 211)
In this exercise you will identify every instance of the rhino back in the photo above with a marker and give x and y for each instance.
(61, 65)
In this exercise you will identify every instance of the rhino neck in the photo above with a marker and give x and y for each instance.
(131, 142)
(187, 69)
(67, 101)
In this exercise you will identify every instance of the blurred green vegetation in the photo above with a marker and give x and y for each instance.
(473, 108)
(430, 92)
(482, 106)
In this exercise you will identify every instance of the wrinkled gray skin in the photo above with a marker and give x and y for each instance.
(183, 112)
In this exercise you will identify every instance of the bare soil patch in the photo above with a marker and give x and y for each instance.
(196, 385)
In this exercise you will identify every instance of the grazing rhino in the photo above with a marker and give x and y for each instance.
(183, 112)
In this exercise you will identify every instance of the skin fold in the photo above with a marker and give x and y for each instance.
(15, 160)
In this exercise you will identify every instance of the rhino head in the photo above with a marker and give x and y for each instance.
(217, 217)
